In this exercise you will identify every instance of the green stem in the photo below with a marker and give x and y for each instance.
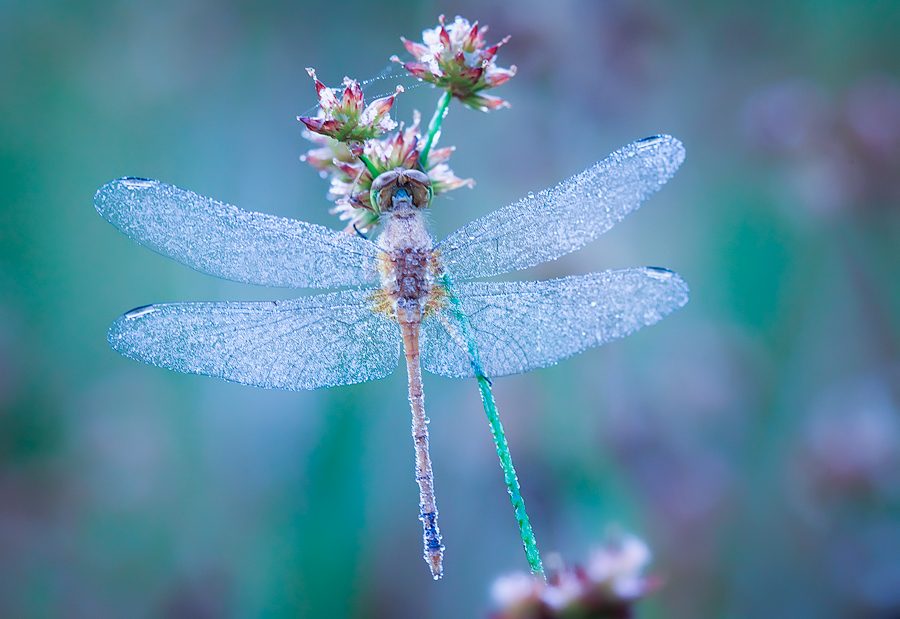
(435, 125)
(509, 476)
(369, 166)
(506, 463)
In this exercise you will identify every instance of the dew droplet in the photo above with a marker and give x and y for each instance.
(659, 273)
(139, 311)
(138, 183)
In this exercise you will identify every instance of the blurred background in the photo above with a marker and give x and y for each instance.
(752, 438)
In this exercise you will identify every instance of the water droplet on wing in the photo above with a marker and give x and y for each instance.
(140, 311)
(659, 273)
(139, 183)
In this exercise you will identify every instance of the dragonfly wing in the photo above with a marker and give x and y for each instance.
(564, 218)
(223, 240)
(306, 343)
(520, 326)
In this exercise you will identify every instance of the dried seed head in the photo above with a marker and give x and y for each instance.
(454, 57)
(346, 119)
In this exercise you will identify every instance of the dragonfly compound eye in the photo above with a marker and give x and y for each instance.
(420, 187)
(382, 190)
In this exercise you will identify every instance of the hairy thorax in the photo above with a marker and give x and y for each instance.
(409, 266)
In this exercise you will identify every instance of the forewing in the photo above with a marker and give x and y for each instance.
(520, 326)
(306, 343)
(564, 218)
(223, 240)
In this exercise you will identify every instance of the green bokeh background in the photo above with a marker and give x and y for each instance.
(752, 439)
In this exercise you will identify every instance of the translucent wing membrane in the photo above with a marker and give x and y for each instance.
(520, 326)
(562, 219)
(223, 240)
(320, 341)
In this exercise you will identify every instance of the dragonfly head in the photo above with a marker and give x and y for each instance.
(401, 189)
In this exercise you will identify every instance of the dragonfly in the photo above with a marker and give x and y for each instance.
(404, 294)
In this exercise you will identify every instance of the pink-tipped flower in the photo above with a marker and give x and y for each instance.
(454, 57)
(347, 119)
(351, 180)
(606, 588)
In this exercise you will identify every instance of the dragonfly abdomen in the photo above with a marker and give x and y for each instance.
(409, 316)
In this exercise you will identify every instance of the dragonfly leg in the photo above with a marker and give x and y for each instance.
(409, 316)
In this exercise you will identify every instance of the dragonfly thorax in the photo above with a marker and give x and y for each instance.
(408, 264)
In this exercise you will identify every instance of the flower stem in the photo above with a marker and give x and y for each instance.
(509, 476)
(369, 165)
(490, 409)
(435, 125)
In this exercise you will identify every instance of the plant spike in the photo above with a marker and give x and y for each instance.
(435, 125)
(500, 443)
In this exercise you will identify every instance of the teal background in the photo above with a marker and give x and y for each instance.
(752, 439)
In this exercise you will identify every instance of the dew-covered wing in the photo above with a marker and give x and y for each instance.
(564, 218)
(223, 240)
(306, 343)
(520, 326)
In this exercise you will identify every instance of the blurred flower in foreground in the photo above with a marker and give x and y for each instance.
(454, 58)
(606, 588)
(351, 179)
(345, 119)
